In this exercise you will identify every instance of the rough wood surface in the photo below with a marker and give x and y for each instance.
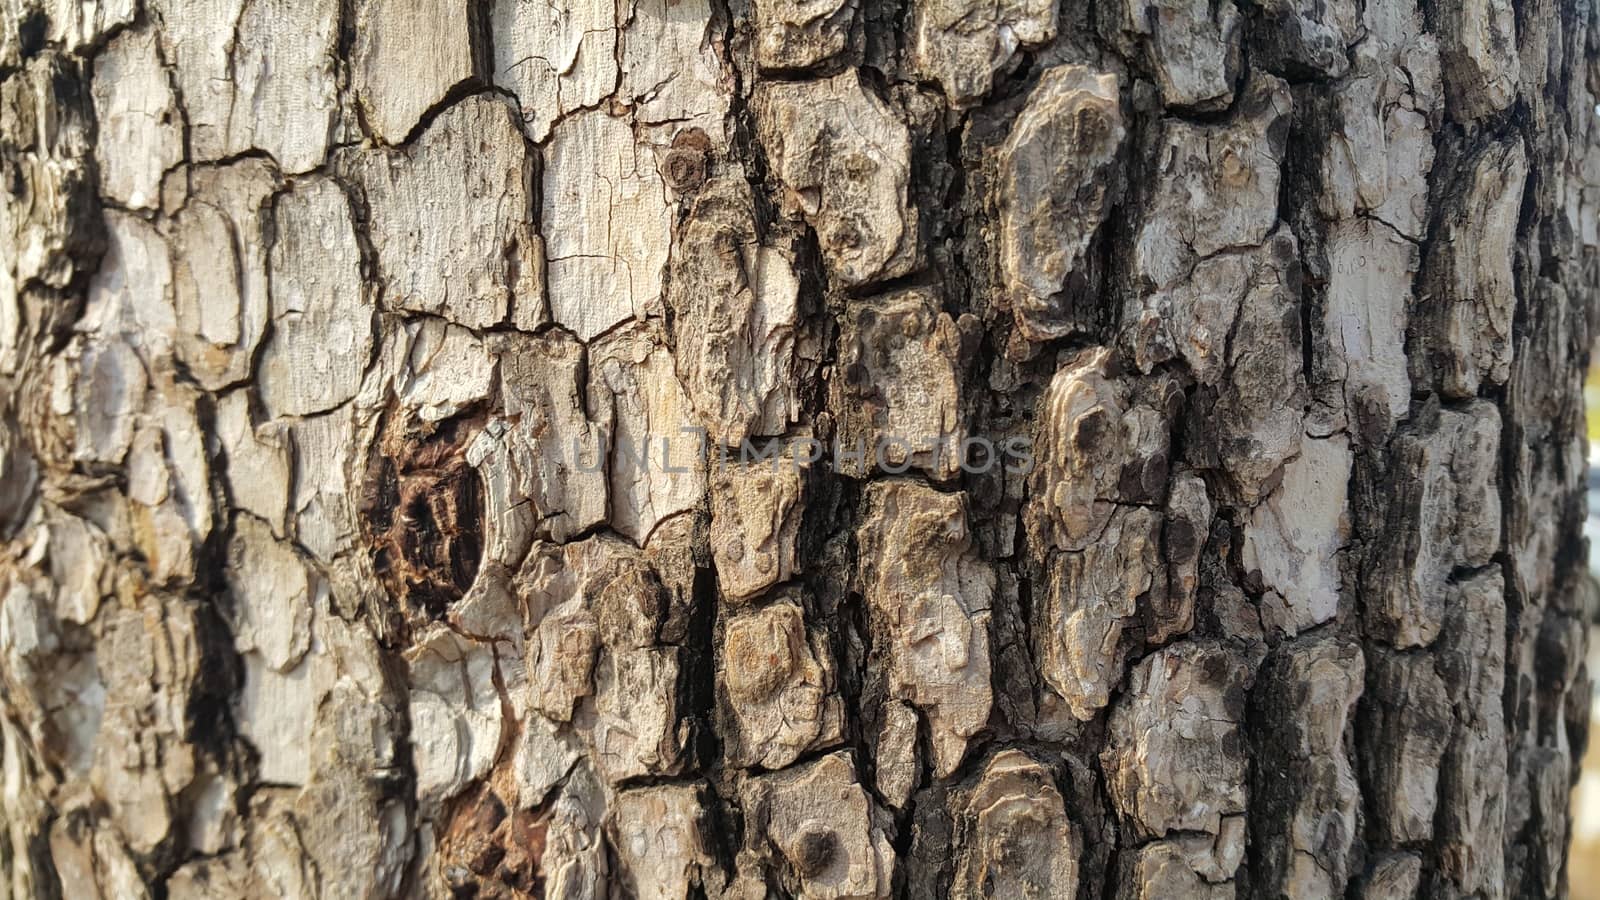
(793, 448)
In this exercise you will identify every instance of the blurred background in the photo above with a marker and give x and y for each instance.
(1584, 875)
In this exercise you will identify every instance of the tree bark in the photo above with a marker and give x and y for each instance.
(816, 448)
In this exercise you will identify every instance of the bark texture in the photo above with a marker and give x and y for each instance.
(390, 392)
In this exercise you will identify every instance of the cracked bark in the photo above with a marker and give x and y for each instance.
(439, 447)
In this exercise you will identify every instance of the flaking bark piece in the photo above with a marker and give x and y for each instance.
(805, 34)
(777, 686)
(452, 219)
(844, 158)
(1060, 174)
(1014, 837)
(963, 44)
(1175, 757)
(929, 595)
(818, 830)
(897, 390)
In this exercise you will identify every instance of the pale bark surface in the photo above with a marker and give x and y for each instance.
(330, 331)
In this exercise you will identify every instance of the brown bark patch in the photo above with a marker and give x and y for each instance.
(490, 852)
(422, 512)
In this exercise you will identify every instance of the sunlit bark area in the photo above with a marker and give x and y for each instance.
(793, 448)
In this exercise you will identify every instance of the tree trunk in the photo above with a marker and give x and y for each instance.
(816, 448)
